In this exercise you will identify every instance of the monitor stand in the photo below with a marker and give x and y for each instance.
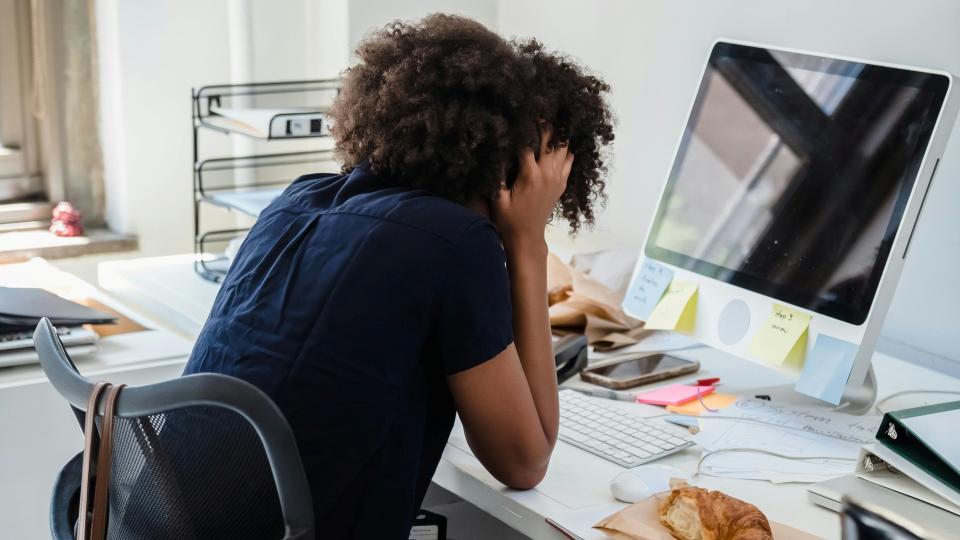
(857, 399)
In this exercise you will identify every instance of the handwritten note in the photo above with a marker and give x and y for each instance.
(646, 289)
(782, 338)
(677, 310)
(827, 369)
(859, 429)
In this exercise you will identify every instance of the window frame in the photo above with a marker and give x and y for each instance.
(18, 156)
(24, 168)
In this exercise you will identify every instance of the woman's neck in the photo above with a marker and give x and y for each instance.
(480, 206)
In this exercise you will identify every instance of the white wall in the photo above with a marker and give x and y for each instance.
(652, 53)
(152, 54)
(158, 51)
(366, 15)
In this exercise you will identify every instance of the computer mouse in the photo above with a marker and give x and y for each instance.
(634, 485)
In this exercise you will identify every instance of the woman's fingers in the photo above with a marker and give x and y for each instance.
(560, 157)
(528, 161)
(546, 133)
(567, 166)
(502, 200)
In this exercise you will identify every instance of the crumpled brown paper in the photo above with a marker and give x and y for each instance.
(581, 303)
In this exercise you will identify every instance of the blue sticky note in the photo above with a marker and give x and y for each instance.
(827, 369)
(646, 289)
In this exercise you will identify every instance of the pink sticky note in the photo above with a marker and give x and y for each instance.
(675, 394)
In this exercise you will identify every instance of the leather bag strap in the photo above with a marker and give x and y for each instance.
(90, 447)
(101, 490)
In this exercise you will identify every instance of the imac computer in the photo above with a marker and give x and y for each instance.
(796, 188)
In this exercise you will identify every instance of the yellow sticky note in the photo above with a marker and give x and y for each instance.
(783, 337)
(694, 408)
(676, 310)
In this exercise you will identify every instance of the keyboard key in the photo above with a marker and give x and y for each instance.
(615, 435)
(574, 436)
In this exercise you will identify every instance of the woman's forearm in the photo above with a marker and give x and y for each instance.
(527, 266)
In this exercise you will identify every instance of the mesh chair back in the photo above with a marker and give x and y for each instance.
(199, 457)
(191, 473)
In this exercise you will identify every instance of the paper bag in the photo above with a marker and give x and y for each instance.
(640, 521)
(582, 303)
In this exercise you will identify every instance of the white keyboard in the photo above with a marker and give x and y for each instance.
(625, 439)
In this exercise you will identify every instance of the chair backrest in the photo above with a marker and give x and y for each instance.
(202, 456)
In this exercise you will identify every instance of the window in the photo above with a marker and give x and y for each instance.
(22, 189)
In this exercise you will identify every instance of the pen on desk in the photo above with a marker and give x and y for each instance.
(606, 394)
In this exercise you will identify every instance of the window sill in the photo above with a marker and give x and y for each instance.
(16, 246)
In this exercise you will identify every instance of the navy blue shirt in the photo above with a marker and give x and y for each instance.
(349, 302)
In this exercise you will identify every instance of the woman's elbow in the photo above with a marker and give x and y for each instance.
(524, 476)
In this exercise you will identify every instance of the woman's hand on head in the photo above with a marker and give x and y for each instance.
(521, 212)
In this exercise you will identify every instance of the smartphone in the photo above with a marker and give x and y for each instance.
(636, 369)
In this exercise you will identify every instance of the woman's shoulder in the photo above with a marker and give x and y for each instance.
(361, 193)
(450, 220)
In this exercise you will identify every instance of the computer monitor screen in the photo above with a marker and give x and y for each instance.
(793, 173)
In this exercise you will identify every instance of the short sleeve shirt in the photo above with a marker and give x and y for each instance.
(349, 302)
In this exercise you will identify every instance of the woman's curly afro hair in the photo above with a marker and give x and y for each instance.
(446, 105)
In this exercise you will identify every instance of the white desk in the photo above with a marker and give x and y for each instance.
(38, 433)
(575, 489)
(165, 287)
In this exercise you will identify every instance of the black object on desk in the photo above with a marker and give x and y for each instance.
(858, 522)
(570, 353)
(428, 526)
(22, 309)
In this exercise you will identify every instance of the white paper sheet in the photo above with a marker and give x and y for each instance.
(858, 429)
(822, 445)
(902, 483)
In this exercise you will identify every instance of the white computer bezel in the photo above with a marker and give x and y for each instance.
(714, 295)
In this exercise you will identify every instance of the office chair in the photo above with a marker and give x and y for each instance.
(859, 521)
(202, 456)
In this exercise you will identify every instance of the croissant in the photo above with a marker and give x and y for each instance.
(692, 513)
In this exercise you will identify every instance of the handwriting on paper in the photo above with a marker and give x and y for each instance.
(861, 429)
(782, 337)
(646, 289)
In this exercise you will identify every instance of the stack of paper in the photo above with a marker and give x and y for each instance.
(250, 202)
(760, 440)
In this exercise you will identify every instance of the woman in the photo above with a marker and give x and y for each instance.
(373, 305)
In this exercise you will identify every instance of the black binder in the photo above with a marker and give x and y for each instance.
(933, 457)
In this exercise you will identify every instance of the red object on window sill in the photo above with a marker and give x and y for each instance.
(66, 220)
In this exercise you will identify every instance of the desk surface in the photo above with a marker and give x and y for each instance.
(575, 491)
(165, 287)
(112, 353)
